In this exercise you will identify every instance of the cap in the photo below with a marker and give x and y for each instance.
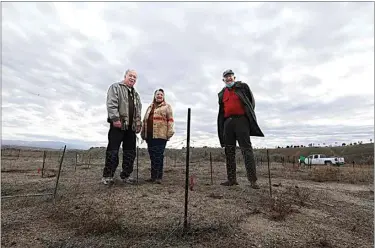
(225, 73)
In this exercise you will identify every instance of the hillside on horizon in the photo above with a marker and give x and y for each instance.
(54, 145)
(360, 153)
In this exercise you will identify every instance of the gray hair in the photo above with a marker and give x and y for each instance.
(128, 70)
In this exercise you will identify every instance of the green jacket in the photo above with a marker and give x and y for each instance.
(244, 93)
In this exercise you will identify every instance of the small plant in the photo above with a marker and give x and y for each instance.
(283, 202)
(279, 207)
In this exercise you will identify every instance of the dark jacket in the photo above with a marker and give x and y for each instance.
(244, 93)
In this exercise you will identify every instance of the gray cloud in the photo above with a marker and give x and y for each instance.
(61, 62)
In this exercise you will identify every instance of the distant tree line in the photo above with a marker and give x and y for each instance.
(324, 145)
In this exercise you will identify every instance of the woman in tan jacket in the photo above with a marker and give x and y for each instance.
(157, 129)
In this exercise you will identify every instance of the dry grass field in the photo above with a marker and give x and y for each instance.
(320, 206)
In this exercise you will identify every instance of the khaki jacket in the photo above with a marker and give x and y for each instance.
(118, 109)
(163, 123)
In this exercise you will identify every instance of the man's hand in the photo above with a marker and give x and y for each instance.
(138, 128)
(117, 124)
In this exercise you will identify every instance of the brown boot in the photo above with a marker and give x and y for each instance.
(229, 183)
(254, 185)
(231, 175)
(158, 181)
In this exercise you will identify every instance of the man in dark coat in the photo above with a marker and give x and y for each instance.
(237, 122)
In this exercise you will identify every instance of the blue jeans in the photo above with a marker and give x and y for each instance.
(156, 148)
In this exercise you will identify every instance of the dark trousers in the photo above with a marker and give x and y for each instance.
(237, 129)
(156, 148)
(116, 136)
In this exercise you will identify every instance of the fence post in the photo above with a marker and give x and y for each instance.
(269, 173)
(58, 175)
(212, 180)
(75, 165)
(88, 166)
(44, 161)
(187, 170)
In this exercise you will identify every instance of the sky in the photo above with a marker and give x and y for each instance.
(309, 65)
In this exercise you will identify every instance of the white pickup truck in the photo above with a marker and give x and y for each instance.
(320, 159)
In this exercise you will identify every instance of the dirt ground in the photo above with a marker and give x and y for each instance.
(310, 207)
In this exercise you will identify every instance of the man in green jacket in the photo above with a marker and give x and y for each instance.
(124, 115)
(237, 122)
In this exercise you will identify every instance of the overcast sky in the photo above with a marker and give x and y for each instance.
(310, 66)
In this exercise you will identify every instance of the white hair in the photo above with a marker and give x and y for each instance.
(128, 70)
